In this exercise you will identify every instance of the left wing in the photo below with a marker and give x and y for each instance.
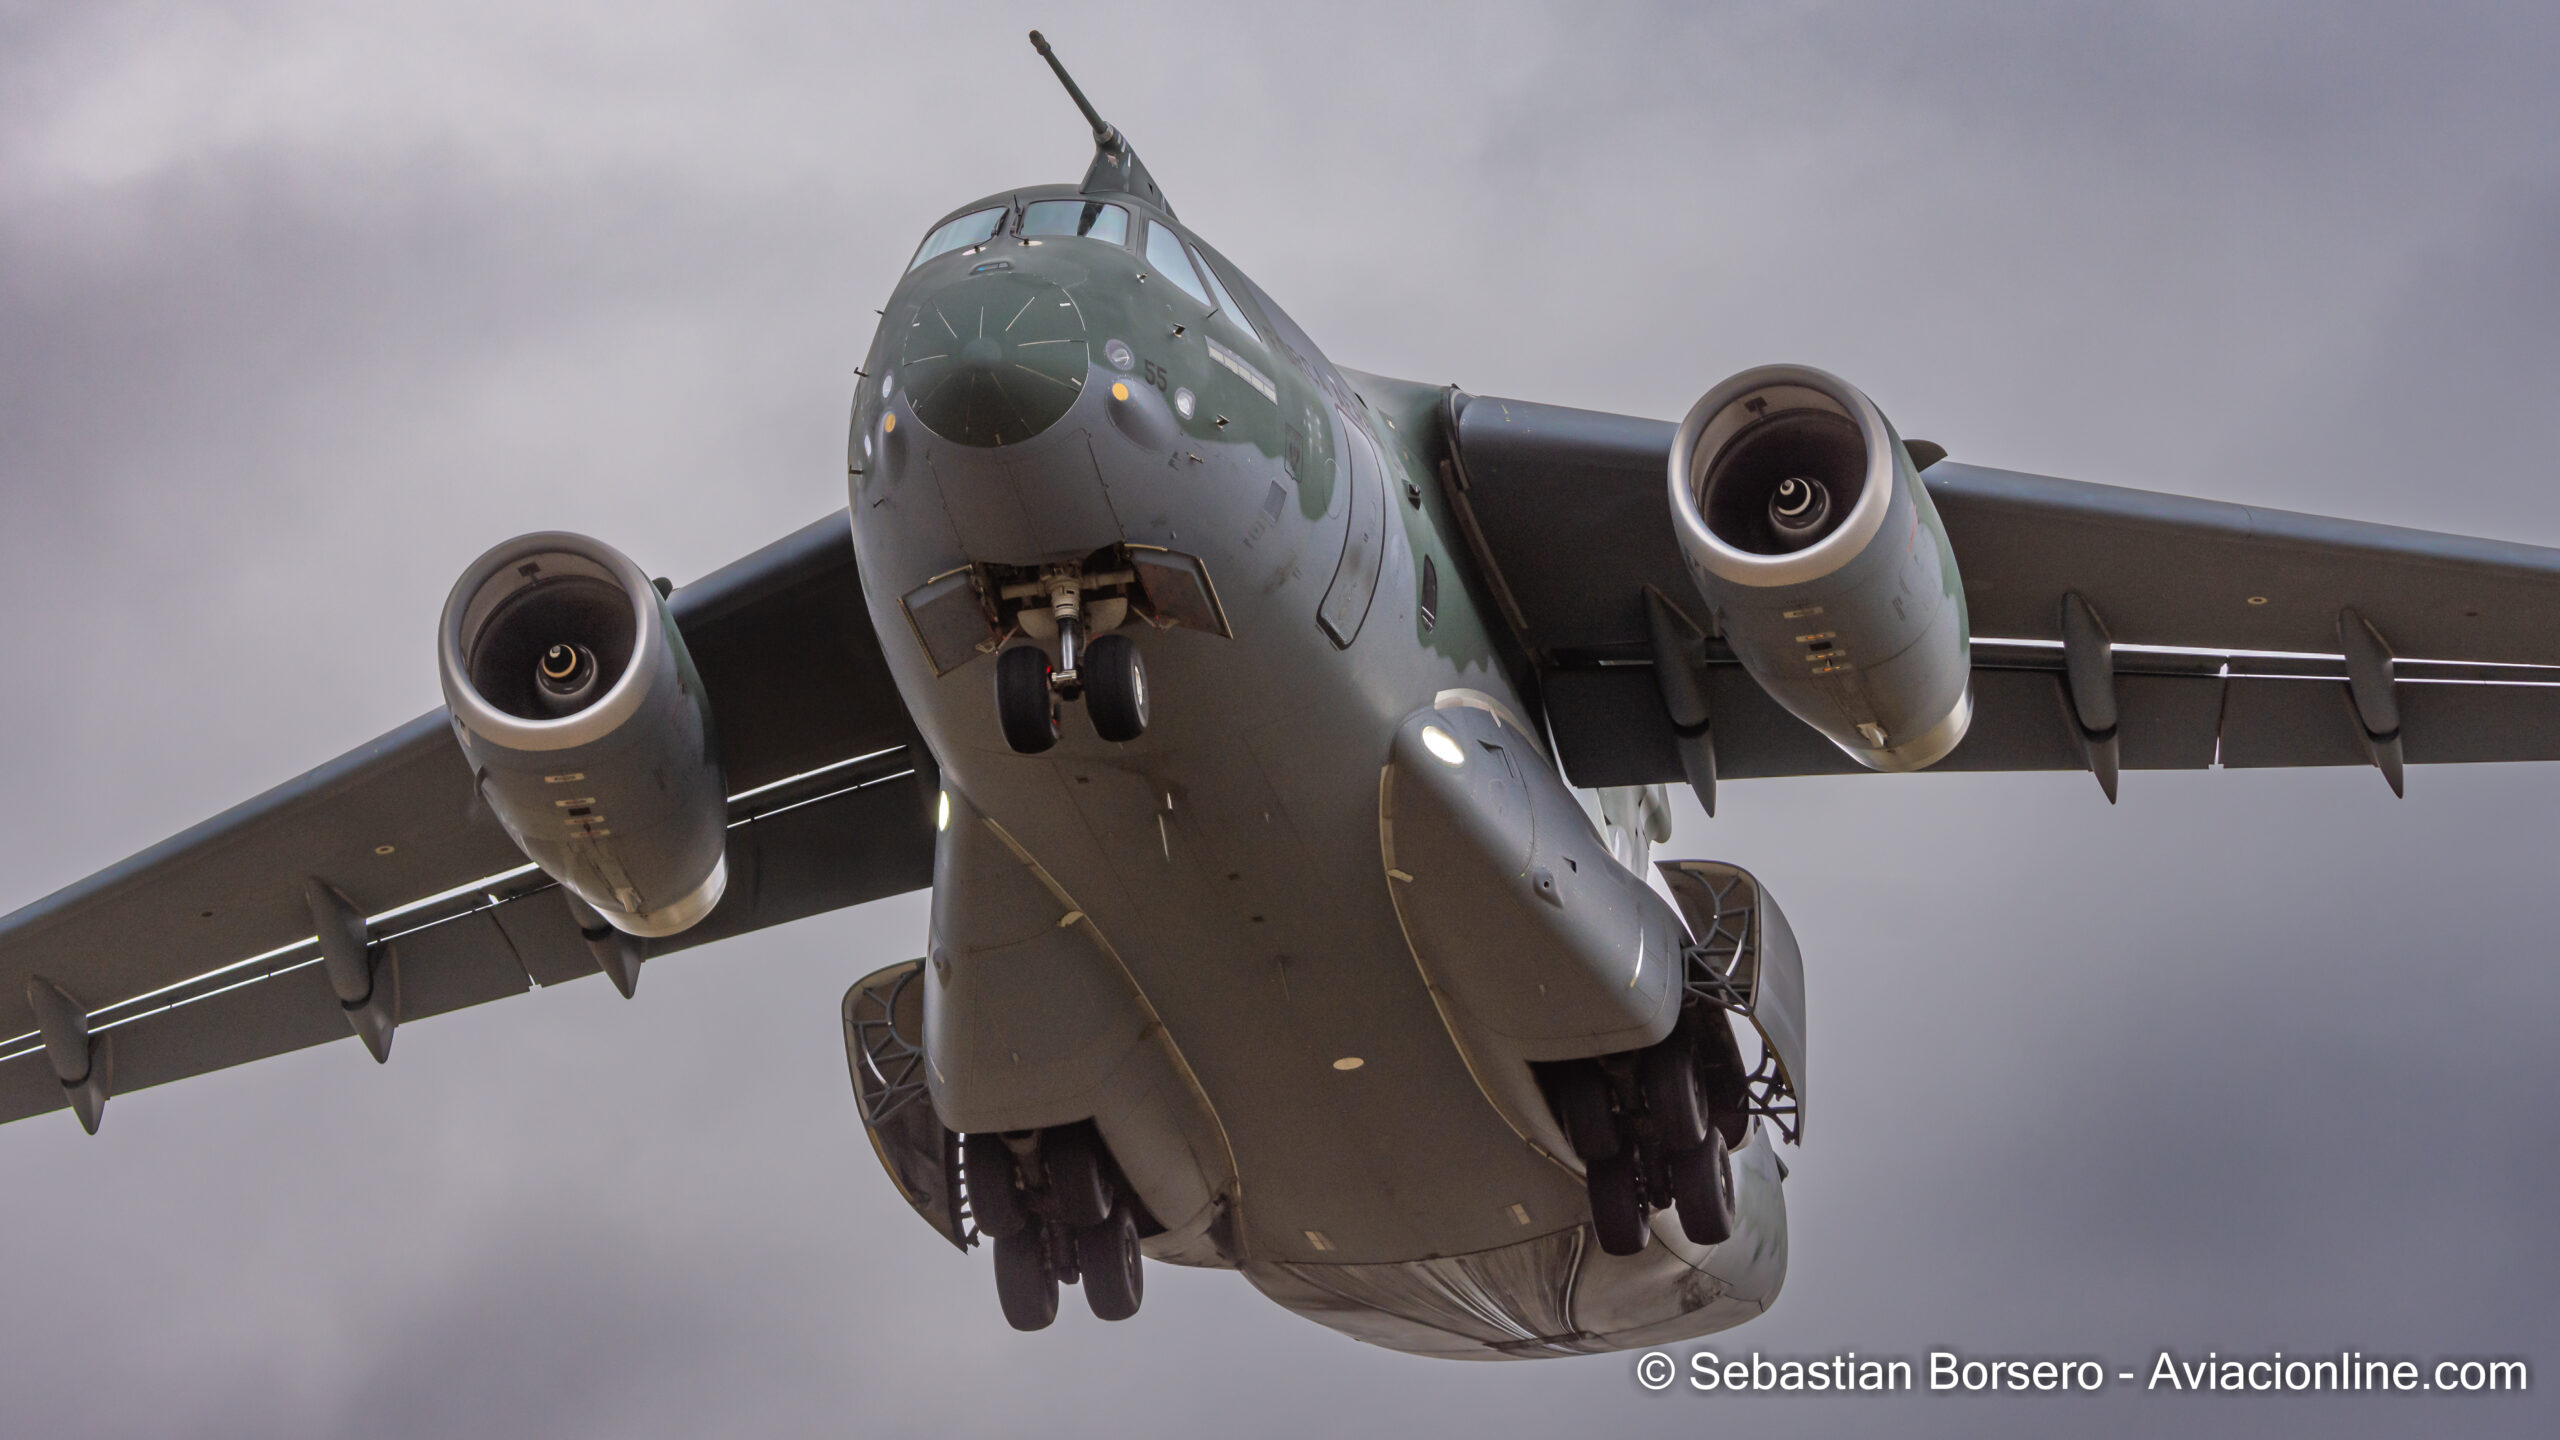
(2225, 618)
(199, 953)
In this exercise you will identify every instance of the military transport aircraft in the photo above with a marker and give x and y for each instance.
(1283, 746)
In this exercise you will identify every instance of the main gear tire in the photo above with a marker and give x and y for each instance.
(1079, 1181)
(1702, 1179)
(1581, 1096)
(1668, 1073)
(1617, 1209)
(1025, 1285)
(1107, 1254)
(995, 1204)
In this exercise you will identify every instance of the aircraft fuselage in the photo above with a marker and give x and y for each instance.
(1189, 938)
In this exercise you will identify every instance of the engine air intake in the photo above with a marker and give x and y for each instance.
(1821, 557)
(587, 729)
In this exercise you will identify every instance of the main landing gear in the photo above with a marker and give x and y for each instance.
(1051, 1204)
(1655, 1129)
(1106, 674)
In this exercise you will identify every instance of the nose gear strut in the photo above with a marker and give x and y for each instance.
(1066, 611)
(1105, 671)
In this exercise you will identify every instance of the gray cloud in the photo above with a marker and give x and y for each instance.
(300, 309)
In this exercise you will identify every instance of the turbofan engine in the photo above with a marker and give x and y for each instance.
(1808, 531)
(587, 728)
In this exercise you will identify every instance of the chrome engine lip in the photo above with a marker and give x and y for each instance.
(1714, 419)
(649, 651)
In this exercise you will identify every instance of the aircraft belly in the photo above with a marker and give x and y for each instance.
(1260, 931)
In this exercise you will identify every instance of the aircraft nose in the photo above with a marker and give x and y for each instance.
(994, 356)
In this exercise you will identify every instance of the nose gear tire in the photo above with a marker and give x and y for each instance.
(1115, 688)
(1025, 710)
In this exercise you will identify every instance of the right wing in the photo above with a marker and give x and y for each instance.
(198, 954)
(2224, 617)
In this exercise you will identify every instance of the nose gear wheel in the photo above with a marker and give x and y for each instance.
(1115, 689)
(1104, 671)
(1026, 709)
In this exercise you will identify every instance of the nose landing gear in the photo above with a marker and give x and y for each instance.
(1026, 699)
(1106, 673)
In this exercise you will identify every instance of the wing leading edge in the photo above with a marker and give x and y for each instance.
(199, 952)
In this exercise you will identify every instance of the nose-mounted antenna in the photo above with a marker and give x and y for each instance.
(1116, 168)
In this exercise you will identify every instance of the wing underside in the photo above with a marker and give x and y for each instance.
(199, 954)
(2225, 618)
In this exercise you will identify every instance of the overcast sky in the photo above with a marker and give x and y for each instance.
(302, 306)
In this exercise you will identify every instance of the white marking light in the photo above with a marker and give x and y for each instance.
(1443, 748)
(1349, 1062)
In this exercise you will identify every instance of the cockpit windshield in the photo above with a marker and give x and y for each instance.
(1227, 305)
(1090, 218)
(974, 228)
(1164, 251)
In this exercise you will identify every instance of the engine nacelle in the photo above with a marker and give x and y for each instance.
(1808, 531)
(587, 728)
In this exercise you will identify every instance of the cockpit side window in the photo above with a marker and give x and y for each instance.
(1090, 218)
(974, 228)
(1226, 302)
(1165, 253)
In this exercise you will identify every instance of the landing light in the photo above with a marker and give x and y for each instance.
(1348, 1062)
(1442, 747)
(942, 811)
(1120, 391)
